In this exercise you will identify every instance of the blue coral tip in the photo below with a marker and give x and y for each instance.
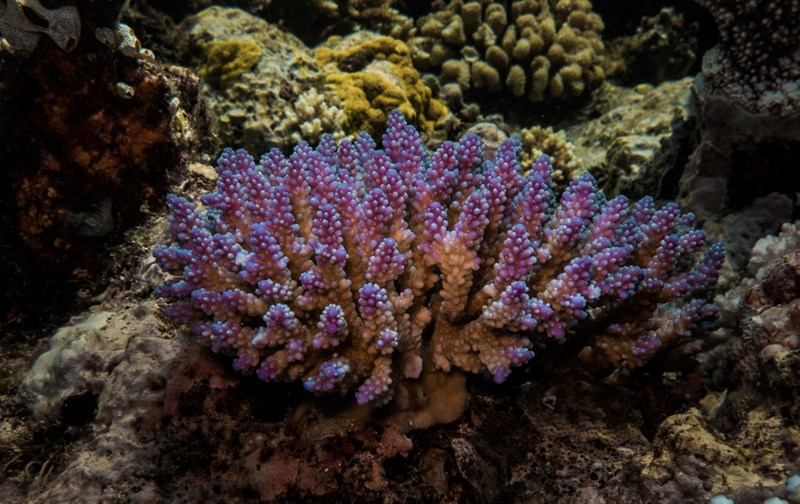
(720, 499)
(793, 483)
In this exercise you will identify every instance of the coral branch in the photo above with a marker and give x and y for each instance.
(350, 268)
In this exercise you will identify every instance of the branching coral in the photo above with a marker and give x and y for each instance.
(310, 117)
(537, 141)
(350, 268)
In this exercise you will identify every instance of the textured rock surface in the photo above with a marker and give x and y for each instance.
(662, 48)
(739, 156)
(75, 366)
(267, 100)
(627, 147)
(86, 141)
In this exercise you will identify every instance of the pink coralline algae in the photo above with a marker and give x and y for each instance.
(351, 268)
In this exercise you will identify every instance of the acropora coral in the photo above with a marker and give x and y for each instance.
(352, 267)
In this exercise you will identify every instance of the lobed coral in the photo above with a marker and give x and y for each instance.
(352, 268)
(539, 49)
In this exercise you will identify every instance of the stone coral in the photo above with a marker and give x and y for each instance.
(539, 49)
(757, 64)
(352, 268)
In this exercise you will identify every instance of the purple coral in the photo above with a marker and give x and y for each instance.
(339, 266)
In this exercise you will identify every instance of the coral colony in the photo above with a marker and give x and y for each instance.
(349, 268)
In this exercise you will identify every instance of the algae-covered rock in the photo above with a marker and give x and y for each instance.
(254, 77)
(689, 454)
(268, 89)
(627, 146)
(372, 75)
(226, 60)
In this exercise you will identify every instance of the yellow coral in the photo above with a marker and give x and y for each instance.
(375, 76)
(538, 140)
(225, 60)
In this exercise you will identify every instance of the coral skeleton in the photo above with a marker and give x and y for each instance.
(353, 267)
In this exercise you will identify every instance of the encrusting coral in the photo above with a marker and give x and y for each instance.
(373, 75)
(225, 60)
(539, 49)
(351, 268)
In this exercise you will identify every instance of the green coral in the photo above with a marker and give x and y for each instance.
(375, 75)
(226, 60)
